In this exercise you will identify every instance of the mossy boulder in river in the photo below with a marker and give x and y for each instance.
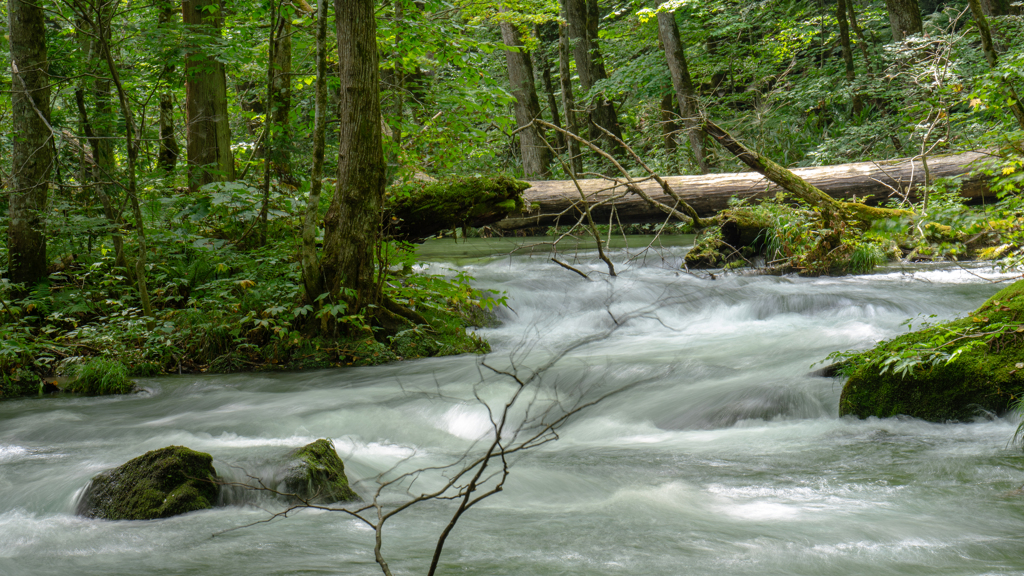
(952, 371)
(317, 475)
(158, 484)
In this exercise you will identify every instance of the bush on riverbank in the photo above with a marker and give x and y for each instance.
(217, 308)
(950, 371)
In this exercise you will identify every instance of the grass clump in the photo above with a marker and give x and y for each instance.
(99, 376)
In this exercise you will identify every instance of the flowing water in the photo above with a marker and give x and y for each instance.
(721, 454)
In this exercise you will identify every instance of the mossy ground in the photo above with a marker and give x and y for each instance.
(161, 483)
(319, 478)
(986, 377)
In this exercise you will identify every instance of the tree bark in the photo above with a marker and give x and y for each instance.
(988, 47)
(167, 159)
(206, 105)
(904, 18)
(568, 102)
(353, 221)
(32, 154)
(312, 277)
(535, 154)
(844, 40)
(582, 16)
(861, 40)
(710, 194)
(668, 123)
(280, 137)
(544, 63)
(675, 54)
(132, 146)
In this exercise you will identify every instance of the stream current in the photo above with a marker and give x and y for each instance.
(722, 453)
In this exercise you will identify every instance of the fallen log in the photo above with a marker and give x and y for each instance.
(557, 201)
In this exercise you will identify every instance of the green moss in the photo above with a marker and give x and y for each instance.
(986, 377)
(161, 483)
(421, 209)
(318, 476)
(100, 376)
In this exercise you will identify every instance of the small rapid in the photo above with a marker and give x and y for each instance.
(720, 452)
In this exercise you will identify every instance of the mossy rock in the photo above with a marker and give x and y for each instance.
(986, 378)
(165, 482)
(317, 475)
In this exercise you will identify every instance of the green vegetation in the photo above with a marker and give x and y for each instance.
(950, 371)
(100, 376)
(161, 483)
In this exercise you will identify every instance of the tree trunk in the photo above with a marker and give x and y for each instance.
(582, 16)
(568, 102)
(844, 40)
(167, 159)
(206, 103)
(992, 57)
(353, 221)
(103, 36)
(668, 33)
(280, 137)
(544, 62)
(710, 194)
(32, 152)
(904, 18)
(312, 278)
(99, 127)
(536, 156)
(861, 40)
(668, 123)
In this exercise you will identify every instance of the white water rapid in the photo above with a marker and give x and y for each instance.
(723, 454)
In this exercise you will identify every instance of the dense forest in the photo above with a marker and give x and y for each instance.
(203, 186)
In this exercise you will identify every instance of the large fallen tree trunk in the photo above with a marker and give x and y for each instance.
(557, 201)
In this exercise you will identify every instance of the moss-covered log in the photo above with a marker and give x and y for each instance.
(420, 210)
(987, 376)
(165, 482)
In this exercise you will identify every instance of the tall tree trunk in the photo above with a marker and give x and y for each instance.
(992, 57)
(312, 277)
(353, 221)
(32, 153)
(583, 16)
(904, 18)
(568, 103)
(167, 159)
(668, 122)
(844, 40)
(132, 141)
(281, 96)
(99, 127)
(668, 33)
(544, 63)
(206, 103)
(536, 156)
(861, 40)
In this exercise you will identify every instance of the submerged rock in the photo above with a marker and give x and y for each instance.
(317, 475)
(937, 383)
(165, 482)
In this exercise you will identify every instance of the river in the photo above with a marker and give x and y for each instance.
(721, 453)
